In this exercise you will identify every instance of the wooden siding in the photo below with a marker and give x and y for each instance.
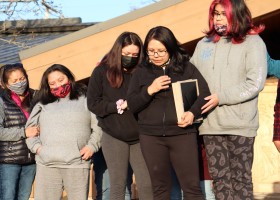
(80, 51)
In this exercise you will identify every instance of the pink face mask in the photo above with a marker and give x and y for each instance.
(61, 91)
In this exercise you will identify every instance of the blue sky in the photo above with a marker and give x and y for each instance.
(99, 10)
(88, 10)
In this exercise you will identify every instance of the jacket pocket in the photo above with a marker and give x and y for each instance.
(238, 116)
(63, 154)
(228, 116)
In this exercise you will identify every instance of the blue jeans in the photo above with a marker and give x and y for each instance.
(16, 181)
(102, 180)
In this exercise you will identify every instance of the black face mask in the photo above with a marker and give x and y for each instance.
(129, 61)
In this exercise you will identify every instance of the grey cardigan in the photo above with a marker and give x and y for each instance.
(66, 126)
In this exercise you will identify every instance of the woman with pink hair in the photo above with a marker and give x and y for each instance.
(232, 58)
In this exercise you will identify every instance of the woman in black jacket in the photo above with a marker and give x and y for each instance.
(164, 140)
(106, 95)
(17, 163)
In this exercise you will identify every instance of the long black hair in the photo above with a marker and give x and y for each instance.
(44, 94)
(113, 58)
(178, 55)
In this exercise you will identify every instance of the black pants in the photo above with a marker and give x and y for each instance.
(180, 152)
(230, 161)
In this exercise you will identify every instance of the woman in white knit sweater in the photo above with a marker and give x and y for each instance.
(69, 136)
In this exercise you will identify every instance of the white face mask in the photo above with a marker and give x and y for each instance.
(18, 88)
(221, 29)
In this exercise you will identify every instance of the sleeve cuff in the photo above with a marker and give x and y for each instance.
(145, 94)
(221, 98)
(23, 135)
(93, 148)
(112, 108)
(35, 148)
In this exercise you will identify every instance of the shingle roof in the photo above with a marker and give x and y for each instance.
(21, 35)
(9, 50)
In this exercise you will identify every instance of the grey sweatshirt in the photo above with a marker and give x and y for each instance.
(236, 73)
(66, 126)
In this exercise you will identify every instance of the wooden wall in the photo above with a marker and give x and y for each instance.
(81, 50)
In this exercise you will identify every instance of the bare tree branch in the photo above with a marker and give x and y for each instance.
(16, 0)
(20, 9)
(13, 41)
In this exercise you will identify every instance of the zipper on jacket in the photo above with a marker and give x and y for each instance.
(163, 119)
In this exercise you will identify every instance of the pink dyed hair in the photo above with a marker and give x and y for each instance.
(239, 21)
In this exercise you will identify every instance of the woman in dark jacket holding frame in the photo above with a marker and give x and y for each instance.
(164, 140)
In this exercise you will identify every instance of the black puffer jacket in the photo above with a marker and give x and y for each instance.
(14, 152)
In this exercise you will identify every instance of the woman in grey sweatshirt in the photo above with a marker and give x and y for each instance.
(232, 58)
(69, 136)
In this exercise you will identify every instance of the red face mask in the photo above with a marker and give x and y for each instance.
(61, 91)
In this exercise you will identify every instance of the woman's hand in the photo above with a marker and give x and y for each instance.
(213, 101)
(277, 144)
(158, 84)
(124, 105)
(121, 106)
(86, 153)
(186, 119)
(32, 131)
(38, 150)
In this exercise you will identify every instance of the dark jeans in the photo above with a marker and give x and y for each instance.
(16, 181)
(179, 151)
(230, 160)
(176, 192)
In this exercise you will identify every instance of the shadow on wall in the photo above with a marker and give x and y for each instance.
(273, 196)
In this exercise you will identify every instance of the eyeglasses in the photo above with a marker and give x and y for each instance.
(217, 14)
(159, 53)
(11, 66)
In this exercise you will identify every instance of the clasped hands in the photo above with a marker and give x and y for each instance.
(121, 106)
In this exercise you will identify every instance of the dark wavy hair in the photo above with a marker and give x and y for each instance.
(44, 94)
(178, 55)
(6, 71)
(113, 58)
(239, 20)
